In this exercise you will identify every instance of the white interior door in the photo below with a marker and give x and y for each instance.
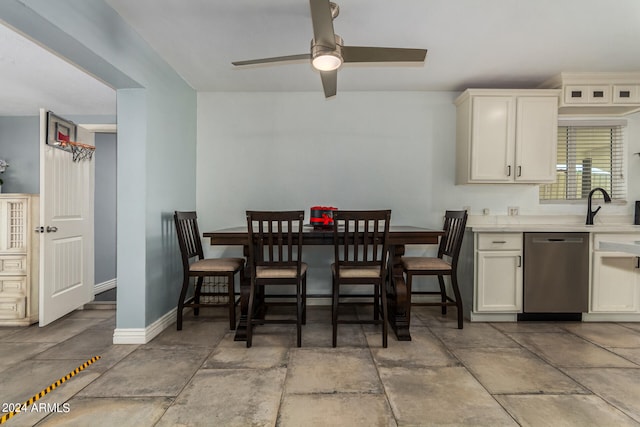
(66, 218)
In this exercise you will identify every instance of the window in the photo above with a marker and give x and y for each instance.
(590, 155)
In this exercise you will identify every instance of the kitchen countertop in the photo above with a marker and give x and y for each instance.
(550, 224)
(550, 228)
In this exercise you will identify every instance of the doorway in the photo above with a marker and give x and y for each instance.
(105, 222)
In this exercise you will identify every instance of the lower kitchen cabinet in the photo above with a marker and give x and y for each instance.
(615, 284)
(498, 273)
(493, 268)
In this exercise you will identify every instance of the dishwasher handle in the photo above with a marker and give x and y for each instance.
(578, 240)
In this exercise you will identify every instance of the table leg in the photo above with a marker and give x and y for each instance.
(399, 297)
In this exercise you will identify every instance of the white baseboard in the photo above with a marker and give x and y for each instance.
(144, 335)
(105, 286)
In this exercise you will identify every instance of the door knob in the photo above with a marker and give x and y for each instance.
(39, 229)
(52, 229)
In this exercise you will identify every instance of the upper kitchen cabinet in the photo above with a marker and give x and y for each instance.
(599, 94)
(506, 136)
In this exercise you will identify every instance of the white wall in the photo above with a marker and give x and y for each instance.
(359, 150)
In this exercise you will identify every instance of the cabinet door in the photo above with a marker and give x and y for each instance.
(616, 283)
(499, 281)
(492, 139)
(13, 223)
(536, 139)
(587, 94)
(626, 94)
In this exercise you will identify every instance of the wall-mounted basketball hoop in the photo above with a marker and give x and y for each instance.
(62, 133)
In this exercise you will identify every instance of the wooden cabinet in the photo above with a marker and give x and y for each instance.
(19, 254)
(506, 136)
(498, 273)
(615, 285)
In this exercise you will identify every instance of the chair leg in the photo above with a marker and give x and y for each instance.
(232, 301)
(183, 294)
(443, 295)
(252, 292)
(299, 314)
(376, 300)
(385, 327)
(196, 297)
(456, 291)
(304, 299)
(334, 311)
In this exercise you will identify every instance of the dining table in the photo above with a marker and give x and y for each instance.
(398, 296)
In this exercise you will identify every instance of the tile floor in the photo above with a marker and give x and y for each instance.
(529, 374)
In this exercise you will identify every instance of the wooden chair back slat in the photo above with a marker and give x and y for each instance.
(361, 238)
(188, 235)
(451, 242)
(275, 237)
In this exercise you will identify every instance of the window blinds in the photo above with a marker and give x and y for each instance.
(590, 155)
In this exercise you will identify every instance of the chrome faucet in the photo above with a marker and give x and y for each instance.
(591, 214)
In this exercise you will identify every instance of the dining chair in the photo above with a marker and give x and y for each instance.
(191, 247)
(360, 240)
(275, 258)
(444, 264)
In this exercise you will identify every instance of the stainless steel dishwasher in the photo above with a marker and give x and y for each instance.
(556, 275)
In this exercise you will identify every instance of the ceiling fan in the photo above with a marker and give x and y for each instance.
(328, 52)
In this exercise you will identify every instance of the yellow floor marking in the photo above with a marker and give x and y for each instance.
(36, 397)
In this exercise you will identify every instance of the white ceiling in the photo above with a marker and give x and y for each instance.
(471, 43)
(32, 78)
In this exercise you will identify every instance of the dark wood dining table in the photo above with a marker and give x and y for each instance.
(399, 299)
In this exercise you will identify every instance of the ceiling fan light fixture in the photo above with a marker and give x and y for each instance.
(326, 62)
(325, 58)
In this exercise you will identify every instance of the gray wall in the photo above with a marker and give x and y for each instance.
(20, 147)
(105, 207)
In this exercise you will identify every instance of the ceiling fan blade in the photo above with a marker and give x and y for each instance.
(382, 54)
(322, 23)
(306, 56)
(329, 82)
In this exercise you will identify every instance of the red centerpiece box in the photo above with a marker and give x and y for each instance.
(322, 216)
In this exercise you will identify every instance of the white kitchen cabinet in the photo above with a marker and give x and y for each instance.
(615, 285)
(626, 94)
(597, 94)
(587, 94)
(506, 136)
(19, 254)
(498, 273)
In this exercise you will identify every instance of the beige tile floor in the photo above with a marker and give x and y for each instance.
(488, 374)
